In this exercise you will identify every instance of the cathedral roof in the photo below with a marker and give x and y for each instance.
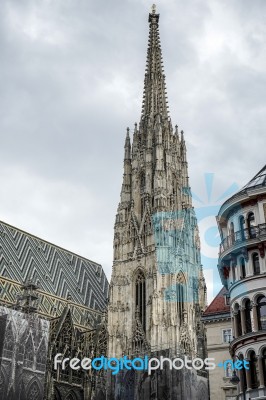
(58, 271)
(218, 305)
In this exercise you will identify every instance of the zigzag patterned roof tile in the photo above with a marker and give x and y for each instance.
(57, 271)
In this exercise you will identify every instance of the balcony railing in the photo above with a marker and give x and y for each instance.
(242, 236)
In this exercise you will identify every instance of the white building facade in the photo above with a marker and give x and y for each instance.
(217, 320)
(242, 265)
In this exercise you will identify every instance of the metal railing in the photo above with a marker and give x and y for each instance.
(242, 236)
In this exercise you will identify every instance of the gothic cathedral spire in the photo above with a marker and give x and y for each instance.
(154, 300)
(154, 95)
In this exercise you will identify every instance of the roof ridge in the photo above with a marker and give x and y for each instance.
(49, 243)
(218, 294)
(218, 308)
(255, 176)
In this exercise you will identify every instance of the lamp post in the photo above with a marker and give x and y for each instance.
(235, 381)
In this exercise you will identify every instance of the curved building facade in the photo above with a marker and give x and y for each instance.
(242, 267)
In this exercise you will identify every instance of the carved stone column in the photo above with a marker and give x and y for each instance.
(248, 376)
(235, 325)
(255, 317)
(261, 375)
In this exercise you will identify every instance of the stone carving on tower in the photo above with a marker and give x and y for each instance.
(157, 288)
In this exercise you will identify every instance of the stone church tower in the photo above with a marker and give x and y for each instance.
(157, 289)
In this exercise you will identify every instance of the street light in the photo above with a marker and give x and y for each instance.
(235, 381)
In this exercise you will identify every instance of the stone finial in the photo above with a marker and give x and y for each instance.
(176, 132)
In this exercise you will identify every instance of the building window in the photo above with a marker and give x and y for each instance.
(21, 352)
(9, 342)
(254, 370)
(261, 309)
(180, 295)
(142, 182)
(242, 268)
(41, 357)
(141, 298)
(232, 232)
(180, 300)
(243, 378)
(256, 264)
(251, 227)
(29, 353)
(227, 335)
(238, 322)
(234, 272)
(248, 314)
(34, 392)
(228, 370)
(264, 365)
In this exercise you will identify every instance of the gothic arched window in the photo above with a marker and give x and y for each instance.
(140, 300)
(142, 182)
(21, 352)
(180, 296)
(9, 342)
(29, 353)
(71, 396)
(256, 264)
(261, 309)
(34, 392)
(65, 373)
(180, 300)
(41, 357)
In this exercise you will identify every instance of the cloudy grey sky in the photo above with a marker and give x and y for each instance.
(71, 76)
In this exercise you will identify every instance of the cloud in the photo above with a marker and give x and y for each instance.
(71, 76)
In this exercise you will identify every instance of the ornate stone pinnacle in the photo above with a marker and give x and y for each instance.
(154, 94)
